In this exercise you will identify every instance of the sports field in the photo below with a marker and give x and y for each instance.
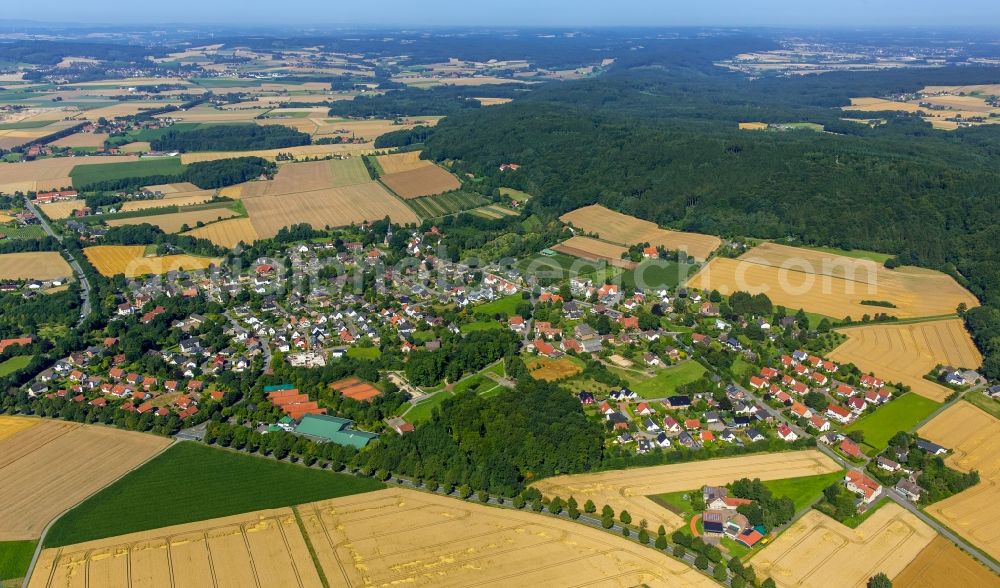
(833, 285)
(943, 564)
(628, 230)
(173, 222)
(629, 489)
(111, 260)
(48, 466)
(208, 482)
(974, 436)
(227, 233)
(34, 265)
(818, 551)
(904, 353)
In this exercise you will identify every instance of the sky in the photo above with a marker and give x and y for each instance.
(570, 13)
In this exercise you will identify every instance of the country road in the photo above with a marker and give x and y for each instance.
(85, 306)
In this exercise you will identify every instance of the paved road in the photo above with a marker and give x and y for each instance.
(85, 306)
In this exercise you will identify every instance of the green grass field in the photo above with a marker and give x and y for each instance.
(506, 305)
(666, 381)
(15, 557)
(558, 267)
(895, 416)
(805, 490)
(422, 410)
(515, 194)
(193, 482)
(656, 274)
(364, 352)
(445, 204)
(84, 175)
(14, 364)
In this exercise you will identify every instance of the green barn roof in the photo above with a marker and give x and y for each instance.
(333, 429)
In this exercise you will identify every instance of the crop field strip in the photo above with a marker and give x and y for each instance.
(46, 174)
(628, 230)
(445, 204)
(817, 551)
(428, 180)
(88, 456)
(173, 222)
(974, 436)
(905, 353)
(227, 233)
(943, 564)
(629, 489)
(594, 250)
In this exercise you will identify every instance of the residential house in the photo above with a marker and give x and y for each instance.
(868, 489)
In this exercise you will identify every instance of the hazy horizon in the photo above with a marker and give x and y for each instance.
(640, 13)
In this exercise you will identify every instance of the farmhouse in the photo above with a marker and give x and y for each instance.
(868, 489)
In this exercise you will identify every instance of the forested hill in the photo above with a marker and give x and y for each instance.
(661, 142)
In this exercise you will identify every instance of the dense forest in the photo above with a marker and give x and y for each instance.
(471, 440)
(442, 100)
(230, 137)
(661, 142)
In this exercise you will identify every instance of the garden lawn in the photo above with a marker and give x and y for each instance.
(480, 326)
(506, 305)
(15, 557)
(193, 482)
(364, 352)
(897, 415)
(805, 490)
(666, 381)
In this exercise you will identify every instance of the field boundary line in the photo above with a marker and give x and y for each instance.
(309, 546)
(41, 539)
(903, 321)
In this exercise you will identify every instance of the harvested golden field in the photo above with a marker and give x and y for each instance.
(81, 140)
(321, 125)
(395, 163)
(493, 101)
(307, 177)
(818, 551)
(227, 233)
(272, 154)
(111, 260)
(207, 114)
(628, 230)
(974, 436)
(61, 209)
(136, 147)
(833, 285)
(328, 206)
(879, 105)
(425, 181)
(550, 370)
(174, 222)
(753, 126)
(52, 465)
(943, 564)
(905, 353)
(175, 188)
(403, 537)
(127, 108)
(35, 265)
(629, 489)
(263, 548)
(46, 174)
(593, 249)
